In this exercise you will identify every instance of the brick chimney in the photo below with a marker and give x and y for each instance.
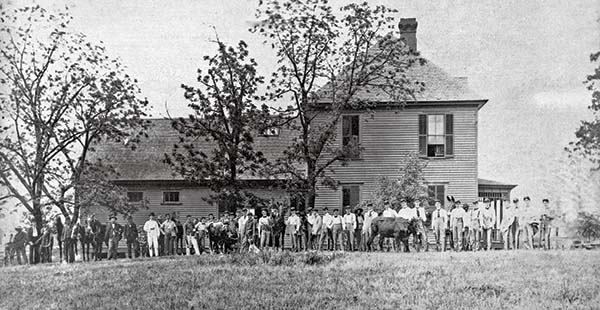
(408, 32)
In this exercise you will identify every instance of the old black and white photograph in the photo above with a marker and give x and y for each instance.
(299, 154)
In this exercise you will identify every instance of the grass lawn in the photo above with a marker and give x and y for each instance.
(482, 280)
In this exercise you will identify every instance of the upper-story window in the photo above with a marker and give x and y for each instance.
(436, 135)
(351, 131)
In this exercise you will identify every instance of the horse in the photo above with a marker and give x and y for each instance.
(392, 227)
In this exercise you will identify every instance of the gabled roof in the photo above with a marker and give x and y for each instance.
(146, 161)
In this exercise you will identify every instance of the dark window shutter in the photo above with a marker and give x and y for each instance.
(423, 135)
(449, 134)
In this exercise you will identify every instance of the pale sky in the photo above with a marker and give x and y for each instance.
(528, 58)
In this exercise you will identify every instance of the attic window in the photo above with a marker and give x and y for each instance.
(271, 132)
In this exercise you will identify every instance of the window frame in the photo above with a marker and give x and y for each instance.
(349, 186)
(171, 202)
(358, 137)
(435, 194)
(141, 193)
(447, 137)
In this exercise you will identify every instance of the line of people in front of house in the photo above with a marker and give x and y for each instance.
(468, 226)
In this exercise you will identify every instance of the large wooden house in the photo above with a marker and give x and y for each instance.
(441, 125)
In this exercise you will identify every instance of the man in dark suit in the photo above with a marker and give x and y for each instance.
(96, 237)
(114, 231)
(131, 236)
(18, 243)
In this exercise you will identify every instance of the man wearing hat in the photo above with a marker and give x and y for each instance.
(18, 244)
(439, 220)
(507, 224)
(458, 216)
(278, 228)
(548, 215)
(474, 219)
(349, 227)
(421, 232)
(114, 231)
(316, 223)
(326, 230)
(528, 221)
(295, 224)
(488, 220)
(152, 232)
(366, 229)
(337, 230)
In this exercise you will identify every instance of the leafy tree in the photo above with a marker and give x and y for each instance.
(225, 122)
(410, 184)
(324, 62)
(588, 134)
(59, 93)
(588, 225)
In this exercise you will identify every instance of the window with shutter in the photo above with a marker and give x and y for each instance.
(436, 135)
(449, 134)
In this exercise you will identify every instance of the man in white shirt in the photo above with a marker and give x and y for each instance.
(507, 224)
(201, 233)
(439, 220)
(242, 227)
(389, 212)
(294, 223)
(349, 226)
(458, 217)
(528, 218)
(264, 229)
(315, 223)
(406, 212)
(473, 218)
(326, 230)
(366, 229)
(421, 232)
(152, 232)
(488, 220)
(337, 229)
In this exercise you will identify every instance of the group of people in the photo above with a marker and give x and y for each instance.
(470, 227)
(464, 226)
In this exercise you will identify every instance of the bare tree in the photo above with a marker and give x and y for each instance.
(59, 93)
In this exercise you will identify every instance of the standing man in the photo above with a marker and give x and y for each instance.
(190, 238)
(114, 231)
(317, 225)
(421, 232)
(488, 219)
(169, 229)
(474, 219)
(349, 227)
(152, 233)
(242, 227)
(18, 245)
(546, 229)
(278, 228)
(528, 221)
(508, 220)
(366, 229)
(360, 221)
(96, 236)
(264, 229)
(294, 222)
(326, 230)
(458, 217)
(68, 242)
(337, 229)
(439, 220)
(131, 237)
(405, 212)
